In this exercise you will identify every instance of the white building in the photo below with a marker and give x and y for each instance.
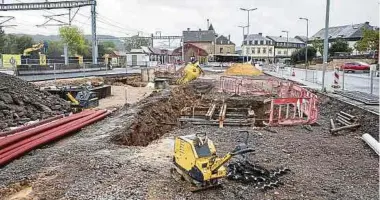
(258, 47)
(285, 47)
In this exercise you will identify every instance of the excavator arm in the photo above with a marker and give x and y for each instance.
(35, 47)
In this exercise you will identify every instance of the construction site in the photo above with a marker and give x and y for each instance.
(183, 134)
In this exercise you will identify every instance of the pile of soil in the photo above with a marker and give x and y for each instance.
(133, 80)
(21, 102)
(155, 116)
(239, 69)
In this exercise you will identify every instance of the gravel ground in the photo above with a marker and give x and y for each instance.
(89, 165)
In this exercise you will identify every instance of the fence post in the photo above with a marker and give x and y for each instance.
(344, 72)
(84, 70)
(371, 82)
(55, 78)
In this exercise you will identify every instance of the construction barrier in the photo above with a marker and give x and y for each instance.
(336, 79)
(247, 86)
(294, 106)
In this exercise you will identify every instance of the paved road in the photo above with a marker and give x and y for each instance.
(80, 74)
(352, 82)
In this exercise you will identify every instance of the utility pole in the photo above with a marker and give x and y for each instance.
(287, 42)
(326, 44)
(248, 10)
(93, 30)
(307, 40)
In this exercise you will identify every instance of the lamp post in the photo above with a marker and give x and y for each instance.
(307, 39)
(243, 27)
(248, 10)
(287, 42)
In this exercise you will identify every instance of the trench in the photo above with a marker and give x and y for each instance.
(158, 114)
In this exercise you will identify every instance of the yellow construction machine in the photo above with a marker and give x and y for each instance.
(191, 72)
(195, 161)
(35, 47)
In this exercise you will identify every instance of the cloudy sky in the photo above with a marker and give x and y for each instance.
(127, 17)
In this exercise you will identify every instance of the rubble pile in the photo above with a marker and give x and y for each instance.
(21, 102)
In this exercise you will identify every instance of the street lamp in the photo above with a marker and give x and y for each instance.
(307, 39)
(243, 27)
(248, 10)
(287, 41)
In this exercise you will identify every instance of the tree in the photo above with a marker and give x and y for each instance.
(55, 49)
(2, 40)
(135, 42)
(318, 45)
(74, 38)
(369, 41)
(106, 47)
(23, 42)
(10, 46)
(339, 45)
(299, 55)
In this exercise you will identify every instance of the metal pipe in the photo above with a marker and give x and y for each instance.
(30, 146)
(346, 114)
(375, 145)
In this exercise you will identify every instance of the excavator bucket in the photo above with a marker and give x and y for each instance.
(191, 72)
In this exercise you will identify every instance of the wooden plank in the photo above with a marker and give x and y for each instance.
(210, 111)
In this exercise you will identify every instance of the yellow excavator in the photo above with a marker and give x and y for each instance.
(195, 161)
(191, 72)
(36, 47)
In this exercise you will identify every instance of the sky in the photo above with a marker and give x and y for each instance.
(171, 17)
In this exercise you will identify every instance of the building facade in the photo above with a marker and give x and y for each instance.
(258, 47)
(224, 45)
(284, 47)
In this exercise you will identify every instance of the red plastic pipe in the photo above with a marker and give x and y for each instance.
(23, 128)
(25, 148)
(42, 134)
(24, 134)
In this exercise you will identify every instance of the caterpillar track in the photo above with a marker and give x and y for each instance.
(258, 176)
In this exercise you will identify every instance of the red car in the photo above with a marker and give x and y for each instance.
(355, 66)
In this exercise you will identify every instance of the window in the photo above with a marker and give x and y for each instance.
(245, 42)
(279, 52)
(261, 42)
(264, 50)
(258, 50)
(256, 42)
(253, 51)
(270, 50)
(267, 42)
(250, 42)
(228, 50)
(247, 50)
(285, 52)
(221, 50)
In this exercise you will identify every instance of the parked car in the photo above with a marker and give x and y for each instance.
(355, 66)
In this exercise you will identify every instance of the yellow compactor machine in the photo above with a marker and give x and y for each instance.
(195, 160)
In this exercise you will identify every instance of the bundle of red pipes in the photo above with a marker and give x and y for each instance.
(30, 137)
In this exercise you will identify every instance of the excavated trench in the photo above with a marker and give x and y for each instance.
(158, 114)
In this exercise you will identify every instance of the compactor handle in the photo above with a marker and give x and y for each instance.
(243, 151)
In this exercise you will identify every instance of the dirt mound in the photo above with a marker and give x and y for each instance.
(133, 80)
(21, 102)
(239, 69)
(155, 116)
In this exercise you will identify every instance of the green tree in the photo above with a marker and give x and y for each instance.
(369, 41)
(318, 45)
(55, 49)
(135, 42)
(2, 40)
(339, 46)
(10, 46)
(299, 55)
(74, 38)
(23, 42)
(106, 47)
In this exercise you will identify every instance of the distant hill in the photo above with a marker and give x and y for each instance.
(37, 38)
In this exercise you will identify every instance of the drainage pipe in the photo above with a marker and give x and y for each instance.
(375, 145)
(27, 133)
(13, 147)
(23, 128)
(30, 146)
